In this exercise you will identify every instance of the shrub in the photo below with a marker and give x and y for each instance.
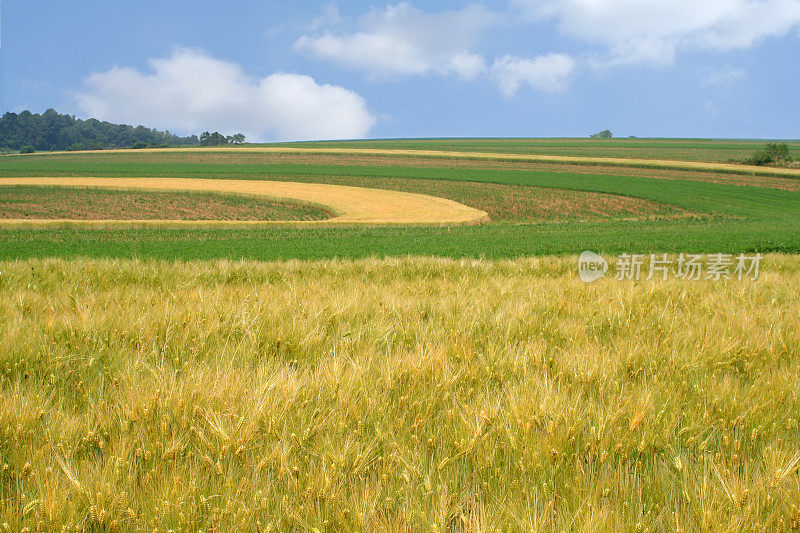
(761, 157)
(605, 134)
(771, 153)
(28, 149)
(778, 151)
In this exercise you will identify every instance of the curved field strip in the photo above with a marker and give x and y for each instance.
(707, 150)
(36, 203)
(520, 203)
(525, 203)
(497, 156)
(502, 202)
(351, 205)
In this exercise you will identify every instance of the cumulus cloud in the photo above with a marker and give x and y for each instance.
(403, 40)
(546, 73)
(636, 31)
(191, 92)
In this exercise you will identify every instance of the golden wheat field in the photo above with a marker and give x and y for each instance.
(395, 395)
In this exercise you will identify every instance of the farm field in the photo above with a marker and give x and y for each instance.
(40, 202)
(731, 167)
(390, 341)
(534, 210)
(348, 205)
(241, 291)
(705, 150)
(395, 395)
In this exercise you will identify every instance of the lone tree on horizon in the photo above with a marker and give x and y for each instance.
(605, 134)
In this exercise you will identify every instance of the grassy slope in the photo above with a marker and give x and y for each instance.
(409, 395)
(746, 218)
(704, 197)
(503, 202)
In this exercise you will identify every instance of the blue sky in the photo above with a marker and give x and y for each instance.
(516, 68)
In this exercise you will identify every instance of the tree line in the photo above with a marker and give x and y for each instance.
(216, 138)
(29, 132)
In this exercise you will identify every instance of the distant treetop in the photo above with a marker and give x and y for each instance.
(605, 134)
(216, 139)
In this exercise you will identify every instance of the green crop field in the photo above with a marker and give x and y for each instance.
(371, 376)
(533, 211)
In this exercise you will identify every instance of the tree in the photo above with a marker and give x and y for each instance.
(212, 139)
(779, 151)
(54, 131)
(27, 149)
(771, 153)
(238, 138)
(605, 134)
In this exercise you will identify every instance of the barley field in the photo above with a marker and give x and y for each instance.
(408, 394)
(427, 359)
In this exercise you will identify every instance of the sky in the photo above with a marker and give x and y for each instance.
(343, 69)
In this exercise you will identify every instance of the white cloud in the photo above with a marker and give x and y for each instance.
(402, 40)
(723, 76)
(546, 73)
(329, 16)
(644, 31)
(191, 92)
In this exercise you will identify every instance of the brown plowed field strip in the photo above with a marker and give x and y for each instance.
(58, 203)
(211, 158)
(492, 156)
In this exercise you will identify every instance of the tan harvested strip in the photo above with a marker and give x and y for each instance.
(351, 205)
(496, 156)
